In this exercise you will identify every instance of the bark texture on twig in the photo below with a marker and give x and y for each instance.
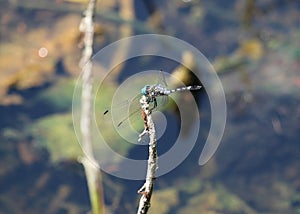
(147, 188)
(92, 172)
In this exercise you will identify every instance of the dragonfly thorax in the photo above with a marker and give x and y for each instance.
(154, 91)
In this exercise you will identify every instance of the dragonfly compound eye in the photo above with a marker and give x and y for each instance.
(145, 90)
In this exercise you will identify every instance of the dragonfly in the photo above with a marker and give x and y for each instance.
(152, 92)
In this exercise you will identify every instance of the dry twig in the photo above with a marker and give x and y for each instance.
(147, 188)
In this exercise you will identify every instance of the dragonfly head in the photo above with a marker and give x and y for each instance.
(145, 89)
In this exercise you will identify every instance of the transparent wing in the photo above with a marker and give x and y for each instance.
(162, 80)
(123, 113)
(128, 112)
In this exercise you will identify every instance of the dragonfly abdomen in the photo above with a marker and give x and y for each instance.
(184, 88)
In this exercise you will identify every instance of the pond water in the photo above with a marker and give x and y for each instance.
(253, 45)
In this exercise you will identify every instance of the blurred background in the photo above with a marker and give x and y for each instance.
(254, 46)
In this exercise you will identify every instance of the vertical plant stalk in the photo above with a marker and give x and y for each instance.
(147, 188)
(93, 175)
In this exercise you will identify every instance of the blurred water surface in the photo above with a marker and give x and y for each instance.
(253, 45)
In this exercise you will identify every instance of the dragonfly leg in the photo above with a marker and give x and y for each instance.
(154, 105)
